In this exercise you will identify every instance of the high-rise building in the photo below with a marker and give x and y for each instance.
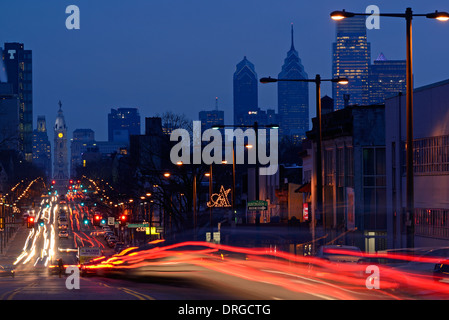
(293, 97)
(245, 91)
(82, 139)
(351, 60)
(60, 155)
(42, 147)
(18, 71)
(122, 123)
(148, 151)
(386, 78)
(211, 117)
(9, 118)
(263, 117)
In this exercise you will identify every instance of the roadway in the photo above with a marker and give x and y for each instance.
(183, 271)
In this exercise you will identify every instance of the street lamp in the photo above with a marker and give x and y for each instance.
(319, 176)
(408, 15)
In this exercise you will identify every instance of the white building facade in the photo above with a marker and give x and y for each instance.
(431, 166)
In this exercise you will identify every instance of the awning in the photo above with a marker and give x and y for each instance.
(305, 188)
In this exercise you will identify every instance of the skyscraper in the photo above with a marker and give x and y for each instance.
(9, 118)
(42, 147)
(351, 60)
(60, 156)
(386, 78)
(211, 117)
(82, 139)
(122, 123)
(245, 91)
(18, 67)
(293, 97)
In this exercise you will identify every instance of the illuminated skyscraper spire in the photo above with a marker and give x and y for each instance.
(293, 97)
(293, 45)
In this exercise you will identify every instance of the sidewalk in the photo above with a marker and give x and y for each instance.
(14, 246)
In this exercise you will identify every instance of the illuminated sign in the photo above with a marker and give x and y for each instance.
(305, 211)
(257, 205)
(219, 200)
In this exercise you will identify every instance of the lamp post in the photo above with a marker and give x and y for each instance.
(408, 15)
(319, 171)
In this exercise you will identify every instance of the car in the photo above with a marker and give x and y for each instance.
(62, 227)
(340, 253)
(108, 234)
(112, 238)
(63, 234)
(112, 243)
(120, 246)
(7, 271)
(441, 271)
(424, 260)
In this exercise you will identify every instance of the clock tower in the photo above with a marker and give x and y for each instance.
(60, 162)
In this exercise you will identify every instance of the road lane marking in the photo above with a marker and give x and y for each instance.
(140, 296)
(10, 294)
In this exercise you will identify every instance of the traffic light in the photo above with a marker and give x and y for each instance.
(123, 218)
(30, 222)
(97, 219)
(85, 220)
(103, 221)
(41, 222)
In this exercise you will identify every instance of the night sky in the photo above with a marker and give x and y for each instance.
(178, 55)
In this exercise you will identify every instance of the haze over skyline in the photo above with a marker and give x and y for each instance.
(178, 56)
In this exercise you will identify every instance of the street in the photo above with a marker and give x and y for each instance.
(190, 270)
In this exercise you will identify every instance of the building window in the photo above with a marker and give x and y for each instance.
(431, 155)
(349, 167)
(340, 167)
(432, 222)
(374, 188)
(328, 167)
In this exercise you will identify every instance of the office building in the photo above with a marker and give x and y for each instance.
(18, 66)
(386, 78)
(122, 123)
(42, 148)
(210, 118)
(263, 117)
(351, 60)
(9, 118)
(293, 97)
(82, 139)
(245, 88)
(150, 151)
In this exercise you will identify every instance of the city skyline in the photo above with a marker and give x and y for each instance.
(91, 69)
